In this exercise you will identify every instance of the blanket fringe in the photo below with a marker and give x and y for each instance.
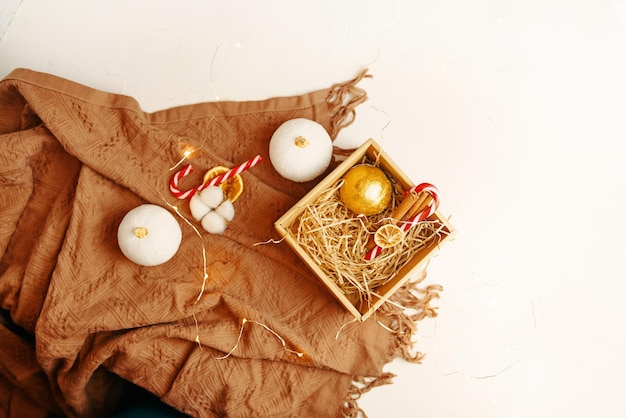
(359, 386)
(342, 99)
(409, 305)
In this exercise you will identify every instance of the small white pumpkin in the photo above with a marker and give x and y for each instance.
(300, 150)
(149, 235)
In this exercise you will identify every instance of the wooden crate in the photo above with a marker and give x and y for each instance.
(287, 224)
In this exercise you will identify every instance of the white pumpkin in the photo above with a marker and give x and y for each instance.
(300, 150)
(149, 235)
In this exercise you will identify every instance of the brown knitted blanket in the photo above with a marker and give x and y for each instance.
(85, 320)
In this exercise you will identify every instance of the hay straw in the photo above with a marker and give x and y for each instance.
(336, 240)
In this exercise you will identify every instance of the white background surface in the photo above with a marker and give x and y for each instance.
(515, 110)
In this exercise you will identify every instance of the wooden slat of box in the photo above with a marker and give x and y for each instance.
(287, 224)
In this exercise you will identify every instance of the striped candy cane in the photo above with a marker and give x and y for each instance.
(183, 172)
(415, 219)
(216, 181)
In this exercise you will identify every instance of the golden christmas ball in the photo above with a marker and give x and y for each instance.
(365, 190)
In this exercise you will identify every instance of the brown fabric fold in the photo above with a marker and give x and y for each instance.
(73, 161)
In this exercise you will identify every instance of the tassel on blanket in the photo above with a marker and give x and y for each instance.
(359, 386)
(409, 305)
(342, 99)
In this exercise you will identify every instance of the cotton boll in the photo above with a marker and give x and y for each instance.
(213, 223)
(226, 210)
(197, 207)
(212, 196)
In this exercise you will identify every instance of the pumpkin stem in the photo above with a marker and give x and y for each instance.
(301, 142)
(141, 232)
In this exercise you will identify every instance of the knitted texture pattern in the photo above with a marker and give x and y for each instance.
(82, 319)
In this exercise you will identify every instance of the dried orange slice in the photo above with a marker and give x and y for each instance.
(388, 236)
(232, 187)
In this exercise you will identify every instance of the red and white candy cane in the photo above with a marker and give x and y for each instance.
(415, 219)
(215, 181)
